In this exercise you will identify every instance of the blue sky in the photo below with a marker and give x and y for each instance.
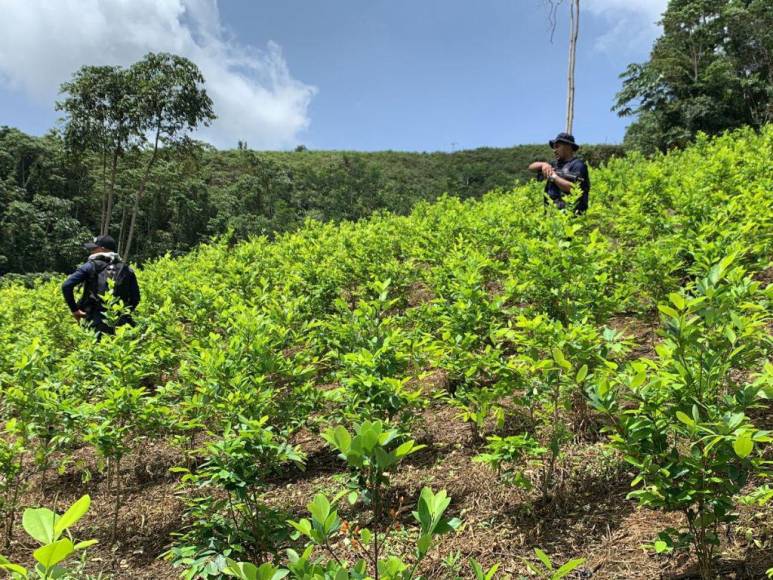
(418, 75)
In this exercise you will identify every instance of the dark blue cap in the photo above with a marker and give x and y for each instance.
(564, 138)
(106, 242)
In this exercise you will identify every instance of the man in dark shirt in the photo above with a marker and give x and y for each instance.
(565, 173)
(103, 263)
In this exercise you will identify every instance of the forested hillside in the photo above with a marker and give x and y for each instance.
(51, 201)
(526, 379)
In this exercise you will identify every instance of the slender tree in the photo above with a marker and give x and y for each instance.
(98, 118)
(574, 30)
(169, 102)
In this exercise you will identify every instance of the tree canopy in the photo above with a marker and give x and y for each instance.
(710, 71)
(110, 110)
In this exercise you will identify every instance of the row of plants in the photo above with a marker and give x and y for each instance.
(239, 348)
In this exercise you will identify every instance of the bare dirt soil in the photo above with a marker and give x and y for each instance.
(590, 517)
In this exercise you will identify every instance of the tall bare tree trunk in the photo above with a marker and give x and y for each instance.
(122, 230)
(104, 195)
(138, 196)
(110, 194)
(574, 30)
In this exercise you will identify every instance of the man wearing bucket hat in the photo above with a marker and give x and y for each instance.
(565, 174)
(104, 264)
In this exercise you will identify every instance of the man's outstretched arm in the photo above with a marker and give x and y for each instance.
(538, 166)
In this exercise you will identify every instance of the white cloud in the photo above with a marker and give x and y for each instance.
(633, 24)
(42, 42)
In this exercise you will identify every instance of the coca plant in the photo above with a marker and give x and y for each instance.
(682, 419)
(52, 532)
(224, 496)
(325, 525)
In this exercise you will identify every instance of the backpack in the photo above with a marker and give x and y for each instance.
(99, 283)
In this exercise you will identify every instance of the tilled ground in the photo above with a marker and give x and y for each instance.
(590, 516)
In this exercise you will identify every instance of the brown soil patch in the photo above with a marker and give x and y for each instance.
(641, 332)
(590, 517)
(419, 293)
(765, 277)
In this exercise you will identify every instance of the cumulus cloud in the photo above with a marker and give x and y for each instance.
(255, 97)
(633, 25)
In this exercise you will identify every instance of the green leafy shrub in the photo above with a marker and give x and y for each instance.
(325, 523)
(48, 528)
(681, 419)
(223, 496)
(371, 453)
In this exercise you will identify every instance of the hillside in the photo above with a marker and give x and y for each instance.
(550, 365)
(52, 201)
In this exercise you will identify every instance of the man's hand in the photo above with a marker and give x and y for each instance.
(79, 315)
(547, 169)
(538, 166)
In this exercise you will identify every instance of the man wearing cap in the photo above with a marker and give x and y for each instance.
(103, 263)
(564, 174)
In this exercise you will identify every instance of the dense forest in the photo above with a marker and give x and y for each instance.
(51, 199)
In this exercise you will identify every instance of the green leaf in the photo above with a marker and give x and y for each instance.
(685, 418)
(319, 508)
(303, 526)
(743, 444)
(668, 311)
(39, 523)
(725, 263)
(567, 568)
(75, 512)
(84, 544)
(407, 448)
(711, 444)
(247, 571)
(543, 557)
(424, 544)
(366, 536)
(392, 567)
(477, 569)
(735, 420)
(14, 568)
(339, 438)
(369, 436)
(241, 570)
(383, 459)
(638, 379)
(677, 300)
(270, 572)
(51, 554)
(558, 356)
(582, 373)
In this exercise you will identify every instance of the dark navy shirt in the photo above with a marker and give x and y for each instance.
(85, 272)
(573, 170)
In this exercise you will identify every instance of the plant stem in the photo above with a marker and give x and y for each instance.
(332, 552)
(117, 506)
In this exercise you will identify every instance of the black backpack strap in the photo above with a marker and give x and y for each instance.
(90, 298)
